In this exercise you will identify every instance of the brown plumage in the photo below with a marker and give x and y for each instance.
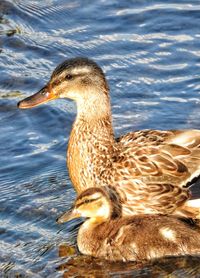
(141, 237)
(149, 170)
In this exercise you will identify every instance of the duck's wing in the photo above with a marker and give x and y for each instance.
(162, 155)
(158, 165)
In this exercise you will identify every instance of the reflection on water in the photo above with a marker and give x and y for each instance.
(81, 266)
(150, 54)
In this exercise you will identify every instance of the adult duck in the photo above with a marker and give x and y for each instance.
(149, 170)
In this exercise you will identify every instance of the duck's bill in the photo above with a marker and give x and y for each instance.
(67, 216)
(44, 95)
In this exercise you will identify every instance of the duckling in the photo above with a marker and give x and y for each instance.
(133, 238)
(150, 170)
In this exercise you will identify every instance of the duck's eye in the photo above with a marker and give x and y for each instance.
(68, 77)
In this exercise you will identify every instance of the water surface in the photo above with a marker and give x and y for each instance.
(150, 52)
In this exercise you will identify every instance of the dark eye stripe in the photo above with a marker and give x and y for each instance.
(59, 81)
(87, 201)
(56, 82)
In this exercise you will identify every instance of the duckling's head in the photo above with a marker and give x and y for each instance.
(98, 203)
(79, 79)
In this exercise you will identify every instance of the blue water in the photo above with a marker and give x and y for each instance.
(150, 53)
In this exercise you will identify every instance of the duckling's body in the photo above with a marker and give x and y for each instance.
(141, 237)
(149, 170)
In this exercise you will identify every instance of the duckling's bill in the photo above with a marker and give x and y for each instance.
(69, 215)
(44, 95)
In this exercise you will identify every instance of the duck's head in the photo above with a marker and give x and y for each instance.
(98, 203)
(79, 79)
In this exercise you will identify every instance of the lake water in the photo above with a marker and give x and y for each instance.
(150, 52)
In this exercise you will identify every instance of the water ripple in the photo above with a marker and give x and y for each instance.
(157, 7)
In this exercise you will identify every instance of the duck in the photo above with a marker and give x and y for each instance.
(150, 171)
(107, 235)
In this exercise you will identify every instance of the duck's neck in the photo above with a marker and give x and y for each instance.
(91, 144)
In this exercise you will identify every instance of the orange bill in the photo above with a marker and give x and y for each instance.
(44, 95)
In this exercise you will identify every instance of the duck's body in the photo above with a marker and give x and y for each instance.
(145, 168)
(149, 170)
(141, 237)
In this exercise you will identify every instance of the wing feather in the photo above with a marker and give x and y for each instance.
(153, 168)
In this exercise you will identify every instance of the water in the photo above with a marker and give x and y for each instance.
(150, 52)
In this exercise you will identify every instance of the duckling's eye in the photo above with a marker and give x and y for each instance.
(68, 77)
(87, 201)
(90, 200)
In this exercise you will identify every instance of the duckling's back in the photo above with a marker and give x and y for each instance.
(139, 238)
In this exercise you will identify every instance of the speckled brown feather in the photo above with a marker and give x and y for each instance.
(147, 170)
